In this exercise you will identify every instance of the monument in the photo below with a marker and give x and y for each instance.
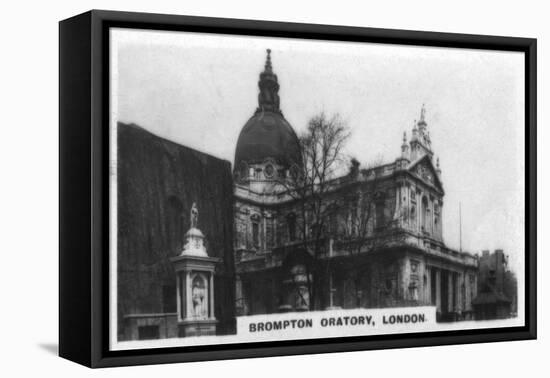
(195, 284)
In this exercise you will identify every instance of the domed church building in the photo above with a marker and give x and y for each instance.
(404, 260)
(266, 152)
(267, 146)
(255, 258)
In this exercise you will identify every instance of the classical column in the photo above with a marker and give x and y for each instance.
(211, 296)
(264, 238)
(462, 292)
(398, 205)
(451, 300)
(438, 289)
(189, 295)
(428, 287)
(178, 294)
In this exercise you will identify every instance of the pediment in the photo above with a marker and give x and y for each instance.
(424, 169)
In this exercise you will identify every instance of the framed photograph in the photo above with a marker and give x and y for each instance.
(235, 188)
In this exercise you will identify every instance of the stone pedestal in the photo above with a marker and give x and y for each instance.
(206, 327)
(295, 291)
(195, 285)
(195, 280)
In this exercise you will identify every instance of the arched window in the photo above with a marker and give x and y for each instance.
(291, 222)
(269, 171)
(243, 171)
(270, 233)
(437, 212)
(255, 230)
(256, 233)
(354, 217)
(294, 172)
(425, 214)
(380, 214)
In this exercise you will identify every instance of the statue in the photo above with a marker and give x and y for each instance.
(423, 113)
(199, 298)
(195, 272)
(194, 215)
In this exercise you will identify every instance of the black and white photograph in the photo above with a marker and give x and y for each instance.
(266, 189)
(275, 189)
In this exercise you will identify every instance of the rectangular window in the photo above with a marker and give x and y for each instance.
(291, 227)
(273, 233)
(269, 237)
(333, 223)
(256, 234)
(380, 216)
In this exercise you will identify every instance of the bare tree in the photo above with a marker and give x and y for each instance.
(309, 183)
(365, 220)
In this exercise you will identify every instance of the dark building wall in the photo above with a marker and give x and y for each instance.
(497, 287)
(158, 181)
(492, 267)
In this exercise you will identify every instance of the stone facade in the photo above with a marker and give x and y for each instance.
(403, 261)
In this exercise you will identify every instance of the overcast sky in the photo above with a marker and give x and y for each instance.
(199, 91)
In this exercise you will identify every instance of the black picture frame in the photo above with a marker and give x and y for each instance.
(84, 191)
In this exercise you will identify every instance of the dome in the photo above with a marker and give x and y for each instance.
(267, 134)
(194, 243)
(195, 233)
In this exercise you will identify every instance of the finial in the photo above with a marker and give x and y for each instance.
(268, 61)
(268, 98)
(194, 215)
(423, 113)
(405, 147)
